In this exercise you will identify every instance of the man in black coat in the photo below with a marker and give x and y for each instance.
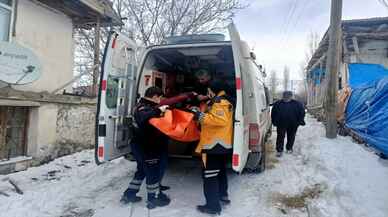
(287, 115)
(147, 148)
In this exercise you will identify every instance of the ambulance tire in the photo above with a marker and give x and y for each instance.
(255, 163)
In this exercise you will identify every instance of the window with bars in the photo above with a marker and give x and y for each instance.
(6, 12)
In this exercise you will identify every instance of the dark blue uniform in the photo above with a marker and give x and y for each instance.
(147, 146)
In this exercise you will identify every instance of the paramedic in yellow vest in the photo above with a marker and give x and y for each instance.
(215, 146)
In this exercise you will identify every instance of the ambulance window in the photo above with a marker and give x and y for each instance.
(159, 82)
(112, 88)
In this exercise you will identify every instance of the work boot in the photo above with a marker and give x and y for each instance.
(155, 201)
(164, 187)
(206, 209)
(125, 199)
(279, 154)
(290, 151)
(225, 200)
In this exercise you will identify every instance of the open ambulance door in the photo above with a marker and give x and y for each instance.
(116, 96)
(240, 143)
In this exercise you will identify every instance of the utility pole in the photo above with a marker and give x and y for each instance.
(332, 67)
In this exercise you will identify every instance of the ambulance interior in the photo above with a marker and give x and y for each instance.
(173, 70)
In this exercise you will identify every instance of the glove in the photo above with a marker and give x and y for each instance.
(194, 109)
(163, 108)
(198, 116)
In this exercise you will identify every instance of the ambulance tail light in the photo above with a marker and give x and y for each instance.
(254, 137)
(100, 152)
(235, 160)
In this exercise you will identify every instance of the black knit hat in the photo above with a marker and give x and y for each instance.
(287, 94)
(153, 91)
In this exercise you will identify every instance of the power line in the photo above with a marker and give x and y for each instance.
(286, 19)
(289, 20)
(304, 6)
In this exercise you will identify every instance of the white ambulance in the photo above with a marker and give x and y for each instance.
(172, 67)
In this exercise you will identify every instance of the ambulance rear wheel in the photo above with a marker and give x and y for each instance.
(255, 162)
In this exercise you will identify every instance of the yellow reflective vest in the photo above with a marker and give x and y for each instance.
(216, 126)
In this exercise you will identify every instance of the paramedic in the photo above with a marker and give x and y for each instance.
(215, 146)
(287, 115)
(147, 146)
(203, 81)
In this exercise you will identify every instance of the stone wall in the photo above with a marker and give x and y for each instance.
(75, 128)
(62, 129)
(58, 124)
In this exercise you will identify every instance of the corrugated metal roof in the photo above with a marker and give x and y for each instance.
(362, 28)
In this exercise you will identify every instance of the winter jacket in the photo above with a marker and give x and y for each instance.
(216, 126)
(149, 138)
(287, 114)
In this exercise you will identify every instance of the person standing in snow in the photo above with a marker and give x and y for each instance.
(147, 147)
(287, 115)
(215, 146)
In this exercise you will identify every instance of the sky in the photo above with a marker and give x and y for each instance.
(277, 30)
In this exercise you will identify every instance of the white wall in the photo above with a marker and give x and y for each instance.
(374, 52)
(50, 35)
(42, 130)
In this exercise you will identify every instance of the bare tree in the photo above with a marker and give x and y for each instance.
(273, 84)
(151, 21)
(312, 46)
(286, 78)
(384, 2)
(155, 20)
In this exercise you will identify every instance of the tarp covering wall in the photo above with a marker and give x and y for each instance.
(316, 75)
(360, 73)
(367, 113)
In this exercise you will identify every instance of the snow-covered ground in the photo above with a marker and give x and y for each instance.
(322, 178)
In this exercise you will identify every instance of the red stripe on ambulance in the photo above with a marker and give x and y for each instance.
(238, 83)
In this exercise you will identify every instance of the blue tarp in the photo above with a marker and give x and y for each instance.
(367, 112)
(317, 74)
(360, 74)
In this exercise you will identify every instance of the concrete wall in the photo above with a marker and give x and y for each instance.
(59, 129)
(50, 35)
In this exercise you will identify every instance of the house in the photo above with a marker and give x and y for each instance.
(364, 58)
(37, 125)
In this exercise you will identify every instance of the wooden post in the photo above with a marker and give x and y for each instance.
(333, 59)
(96, 64)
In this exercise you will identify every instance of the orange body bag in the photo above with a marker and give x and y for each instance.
(178, 125)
